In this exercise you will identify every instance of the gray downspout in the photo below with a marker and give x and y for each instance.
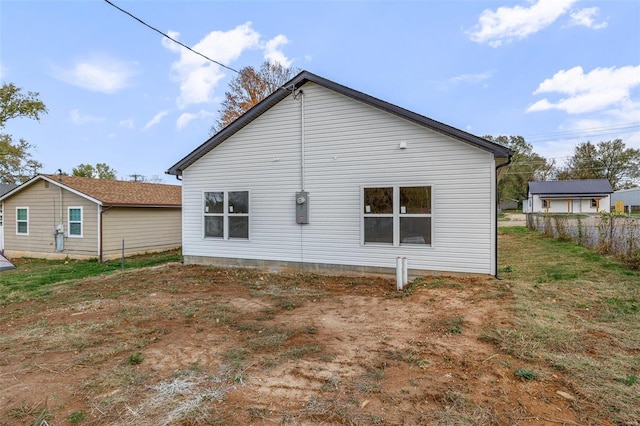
(497, 207)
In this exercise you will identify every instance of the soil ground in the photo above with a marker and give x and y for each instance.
(189, 345)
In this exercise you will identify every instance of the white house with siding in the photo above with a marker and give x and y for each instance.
(321, 177)
(581, 196)
(56, 217)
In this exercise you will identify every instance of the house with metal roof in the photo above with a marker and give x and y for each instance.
(630, 199)
(321, 177)
(586, 196)
(57, 217)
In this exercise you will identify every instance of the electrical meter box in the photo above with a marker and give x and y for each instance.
(302, 207)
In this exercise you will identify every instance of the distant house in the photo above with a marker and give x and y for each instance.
(66, 216)
(322, 177)
(4, 188)
(589, 196)
(630, 199)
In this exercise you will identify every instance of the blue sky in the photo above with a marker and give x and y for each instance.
(557, 72)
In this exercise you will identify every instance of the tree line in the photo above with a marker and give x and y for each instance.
(611, 160)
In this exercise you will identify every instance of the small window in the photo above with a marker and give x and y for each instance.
(22, 220)
(226, 214)
(594, 203)
(75, 222)
(378, 215)
(545, 204)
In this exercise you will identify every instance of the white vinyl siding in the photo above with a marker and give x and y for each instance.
(74, 222)
(348, 145)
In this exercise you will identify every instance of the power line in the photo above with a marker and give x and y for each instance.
(626, 127)
(172, 39)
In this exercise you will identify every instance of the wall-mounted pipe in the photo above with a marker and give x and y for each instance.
(300, 95)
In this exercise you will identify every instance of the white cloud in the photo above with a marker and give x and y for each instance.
(128, 123)
(155, 120)
(273, 52)
(515, 23)
(597, 90)
(77, 118)
(99, 73)
(586, 18)
(186, 117)
(198, 77)
(471, 78)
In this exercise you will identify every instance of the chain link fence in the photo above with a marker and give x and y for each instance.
(607, 233)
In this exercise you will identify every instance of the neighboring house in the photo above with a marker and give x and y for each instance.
(319, 176)
(53, 216)
(630, 199)
(588, 196)
(4, 188)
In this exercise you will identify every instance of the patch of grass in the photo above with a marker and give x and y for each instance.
(32, 277)
(297, 352)
(574, 312)
(525, 374)
(135, 358)
(76, 417)
(629, 380)
(459, 410)
(269, 338)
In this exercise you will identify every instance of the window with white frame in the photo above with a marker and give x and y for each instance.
(594, 203)
(22, 220)
(397, 215)
(226, 214)
(545, 204)
(75, 222)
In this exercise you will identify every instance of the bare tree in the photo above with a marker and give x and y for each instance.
(248, 88)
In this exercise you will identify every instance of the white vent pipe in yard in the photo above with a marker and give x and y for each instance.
(405, 271)
(402, 274)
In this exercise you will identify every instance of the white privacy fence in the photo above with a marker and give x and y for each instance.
(607, 233)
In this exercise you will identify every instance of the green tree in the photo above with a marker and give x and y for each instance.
(16, 161)
(526, 166)
(610, 160)
(100, 171)
(248, 88)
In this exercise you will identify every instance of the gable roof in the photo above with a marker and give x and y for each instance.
(584, 187)
(116, 193)
(305, 77)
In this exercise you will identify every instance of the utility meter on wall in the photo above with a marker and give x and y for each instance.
(302, 207)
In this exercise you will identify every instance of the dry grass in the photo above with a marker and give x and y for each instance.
(575, 313)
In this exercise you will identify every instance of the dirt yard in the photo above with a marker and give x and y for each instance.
(188, 345)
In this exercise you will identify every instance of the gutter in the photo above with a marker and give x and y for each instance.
(497, 206)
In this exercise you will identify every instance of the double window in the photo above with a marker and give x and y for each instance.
(22, 220)
(75, 222)
(226, 214)
(397, 215)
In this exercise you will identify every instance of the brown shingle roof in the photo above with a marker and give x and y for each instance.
(123, 193)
